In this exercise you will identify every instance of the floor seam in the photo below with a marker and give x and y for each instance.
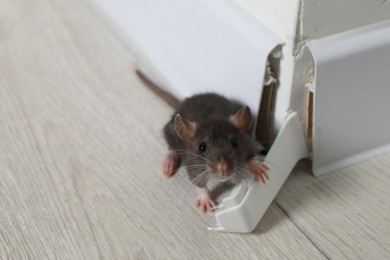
(303, 232)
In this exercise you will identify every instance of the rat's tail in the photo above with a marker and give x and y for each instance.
(168, 98)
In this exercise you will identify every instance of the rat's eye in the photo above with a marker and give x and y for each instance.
(202, 147)
(234, 142)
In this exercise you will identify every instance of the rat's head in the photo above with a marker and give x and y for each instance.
(216, 148)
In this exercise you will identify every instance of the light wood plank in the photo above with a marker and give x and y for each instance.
(80, 146)
(345, 213)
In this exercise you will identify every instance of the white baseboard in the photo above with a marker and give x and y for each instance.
(351, 97)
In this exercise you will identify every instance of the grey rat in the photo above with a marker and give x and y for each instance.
(208, 135)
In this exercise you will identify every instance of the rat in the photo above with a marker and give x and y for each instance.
(208, 135)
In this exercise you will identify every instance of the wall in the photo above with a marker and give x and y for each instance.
(295, 21)
(279, 15)
(323, 18)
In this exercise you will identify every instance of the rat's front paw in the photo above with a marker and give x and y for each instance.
(204, 201)
(258, 169)
(170, 164)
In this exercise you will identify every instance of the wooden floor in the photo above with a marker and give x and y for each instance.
(80, 146)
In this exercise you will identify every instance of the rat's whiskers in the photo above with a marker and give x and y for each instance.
(192, 153)
(195, 181)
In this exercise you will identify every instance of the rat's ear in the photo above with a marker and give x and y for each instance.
(242, 119)
(184, 128)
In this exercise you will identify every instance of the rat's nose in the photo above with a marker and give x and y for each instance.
(221, 167)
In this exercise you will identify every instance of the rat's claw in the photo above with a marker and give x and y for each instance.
(204, 201)
(259, 170)
(205, 206)
(170, 163)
